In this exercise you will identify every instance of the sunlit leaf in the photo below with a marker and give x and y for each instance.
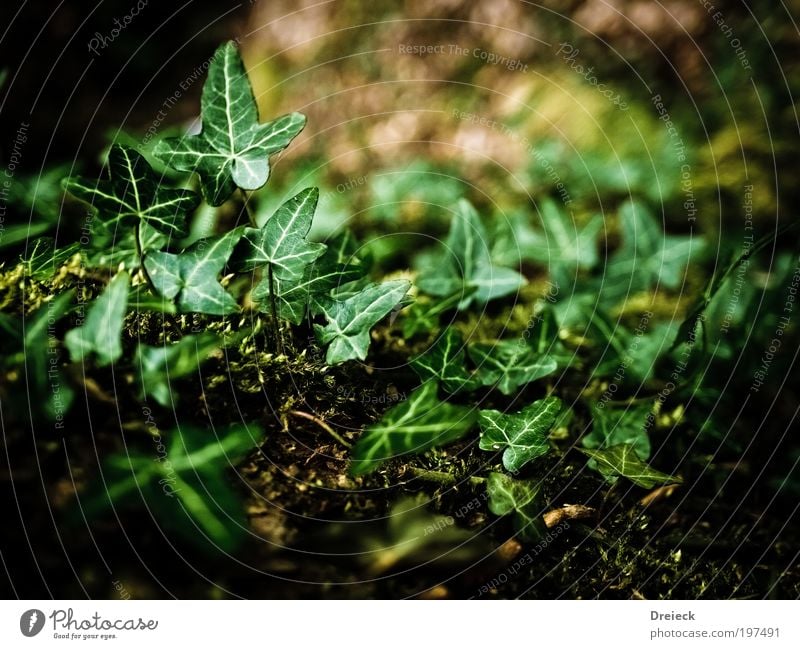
(508, 365)
(191, 278)
(350, 320)
(133, 194)
(522, 434)
(233, 149)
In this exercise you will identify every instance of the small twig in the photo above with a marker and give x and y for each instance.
(323, 425)
(444, 479)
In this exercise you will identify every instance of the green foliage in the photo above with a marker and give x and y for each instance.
(191, 277)
(622, 460)
(520, 498)
(42, 259)
(134, 194)
(100, 334)
(647, 257)
(467, 264)
(615, 426)
(349, 320)
(281, 243)
(233, 149)
(522, 434)
(445, 362)
(507, 365)
(423, 316)
(413, 426)
(158, 367)
(184, 486)
(336, 268)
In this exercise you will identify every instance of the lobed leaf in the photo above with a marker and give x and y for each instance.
(350, 320)
(413, 426)
(520, 498)
(134, 194)
(523, 435)
(622, 460)
(233, 149)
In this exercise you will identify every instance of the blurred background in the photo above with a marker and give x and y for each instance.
(687, 106)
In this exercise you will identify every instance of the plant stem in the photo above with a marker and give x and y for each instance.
(273, 307)
(250, 214)
(140, 254)
(442, 478)
(323, 425)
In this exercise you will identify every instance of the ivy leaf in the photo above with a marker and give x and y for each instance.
(191, 277)
(282, 242)
(615, 426)
(563, 245)
(296, 296)
(135, 194)
(413, 426)
(647, 256)
(520, 498)
(445, 362)
(423, 317)
(468, 264)
(159, 366)
(349, 321)
(44, 259)
(509, 364)
(622, 460)
(523, 434)
(186, 488)
(233, 149)
(100, 335)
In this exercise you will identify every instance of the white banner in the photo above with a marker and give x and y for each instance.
(351, 624)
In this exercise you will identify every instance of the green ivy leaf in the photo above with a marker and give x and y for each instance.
(562, 245)
(232, 149)
(100, 334)
(159, 366)
(186, 488)
(523, 434)
(520, 498)
(349, 321)
(423, 316)
(509, 364)
(44, 259)
(413, 426)
(296, 296)
(282, 242)
(445, 362)
(467, 265)
(615, 426)
(191, 277)
(647, 256)
(622, 460)
(134, 194)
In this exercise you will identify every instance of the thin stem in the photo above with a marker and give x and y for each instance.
(323, 425)
(250, 214)
(273, 307)
(442, 478)
(140, 254)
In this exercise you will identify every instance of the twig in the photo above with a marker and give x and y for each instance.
(323, 425)
(444, 479)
